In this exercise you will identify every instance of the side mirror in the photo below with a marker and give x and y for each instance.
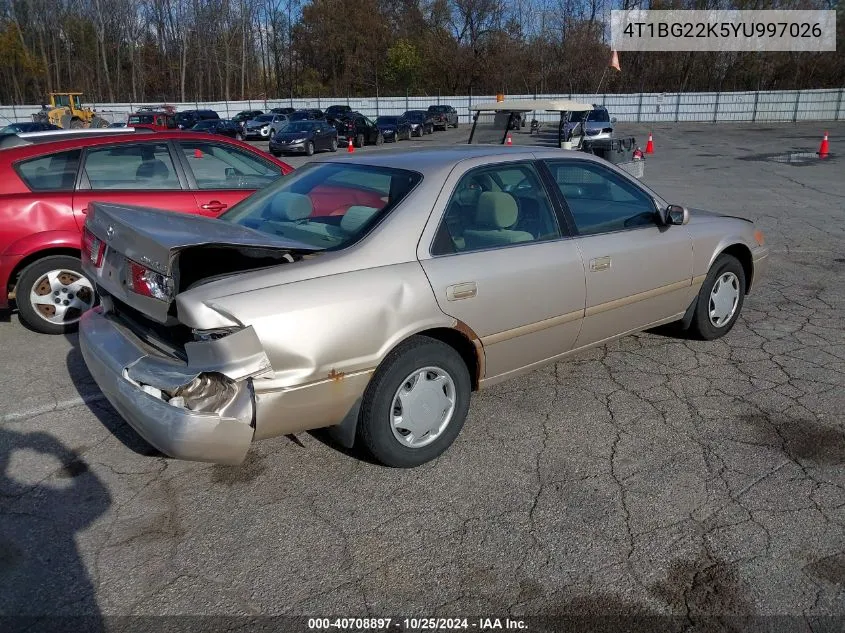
(676, 214)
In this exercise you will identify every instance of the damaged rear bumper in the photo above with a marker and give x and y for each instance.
(138, 383)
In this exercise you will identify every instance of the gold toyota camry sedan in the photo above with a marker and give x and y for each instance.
(373, 293)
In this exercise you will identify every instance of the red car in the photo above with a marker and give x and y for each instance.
(48, 180)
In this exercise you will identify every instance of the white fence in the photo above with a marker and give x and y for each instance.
(789, 105)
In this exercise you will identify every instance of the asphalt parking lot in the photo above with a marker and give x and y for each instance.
(653, 477)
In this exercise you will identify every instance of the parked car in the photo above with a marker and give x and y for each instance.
(597, 123)
(224, 127)
(311, 114)
(420, 121)
(283, 110)
(304, 137)
(153, 120)
(48, 184)
(359, 128)
(187, 119)
(246, 115)
(444, 116)
(263, 126)
(477, 265)
(336, 110)
(27, 126)
(394, 128)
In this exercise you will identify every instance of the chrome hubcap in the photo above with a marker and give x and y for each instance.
(723, 299)
(423, 406)
(61, 296)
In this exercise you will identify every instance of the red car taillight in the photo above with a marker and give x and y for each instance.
(92, 247)
(148, 283)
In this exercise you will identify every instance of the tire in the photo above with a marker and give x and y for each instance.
(76, 124)
(397, 371)
(58, 276)
(309, 148)
(359, 140)
(380, 139)
(457, 123)
(333, 147)
(409, 136)
(239, 136)
(726, 274)
(275, 153)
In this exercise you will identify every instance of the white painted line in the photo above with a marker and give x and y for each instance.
(56, 406)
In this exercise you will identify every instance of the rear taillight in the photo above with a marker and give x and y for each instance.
(148, 283)
(92, 247)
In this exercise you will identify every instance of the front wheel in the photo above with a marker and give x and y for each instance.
(359, 140)
(239, 136)
(309, 148)
(416, 403)
(52, 293)
(379, 140)
(720, 299)
(333, 146)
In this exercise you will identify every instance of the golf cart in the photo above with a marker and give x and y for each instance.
(499, 122)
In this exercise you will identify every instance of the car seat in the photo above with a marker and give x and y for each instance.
(496, 213)
(152, 170)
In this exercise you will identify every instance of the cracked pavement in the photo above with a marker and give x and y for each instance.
(648, 478)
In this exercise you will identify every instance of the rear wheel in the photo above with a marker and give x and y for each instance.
(239, 136)
(333, 146)
(52, 293)
(359, 140)
(76, 124)
(416, 403)
(380, 139)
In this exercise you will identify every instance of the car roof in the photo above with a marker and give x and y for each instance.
(38, 143)
(432, 160)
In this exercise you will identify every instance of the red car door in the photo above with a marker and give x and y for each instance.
(224, 173)
(142, 173)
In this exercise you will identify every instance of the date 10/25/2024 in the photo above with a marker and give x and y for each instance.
(416, 624)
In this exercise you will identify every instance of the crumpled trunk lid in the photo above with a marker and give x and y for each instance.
(182, 247)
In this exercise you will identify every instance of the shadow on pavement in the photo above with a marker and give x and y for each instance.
(86, 387)
(45, 584)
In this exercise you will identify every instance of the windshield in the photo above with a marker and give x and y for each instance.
(325, 205)
(141, 118)
(300, 126)
(599, 115)
(204, 125)
(389, 120)
(299, 116)
(415, 116)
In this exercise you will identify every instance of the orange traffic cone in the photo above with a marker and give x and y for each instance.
(824, 148)
(649, 147)
(350, 147)
(510, 140)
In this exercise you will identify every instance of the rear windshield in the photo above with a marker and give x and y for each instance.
(415, 115)
(325, 205)
(142, 118)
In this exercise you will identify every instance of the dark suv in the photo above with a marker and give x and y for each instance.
(359, 128)
(444, 116)
(335, 111)
(187, 119)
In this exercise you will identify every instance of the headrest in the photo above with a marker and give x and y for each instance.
(289, 207)
(152, 169)
(497, 209)
(355, 217)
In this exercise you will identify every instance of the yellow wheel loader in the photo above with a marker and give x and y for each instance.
(66, 111)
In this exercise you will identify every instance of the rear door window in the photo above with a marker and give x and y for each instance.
(139, 166)
(56, 172)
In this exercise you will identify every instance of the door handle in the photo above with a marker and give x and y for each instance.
(214, 205)
(466, 290)
(600, 263)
